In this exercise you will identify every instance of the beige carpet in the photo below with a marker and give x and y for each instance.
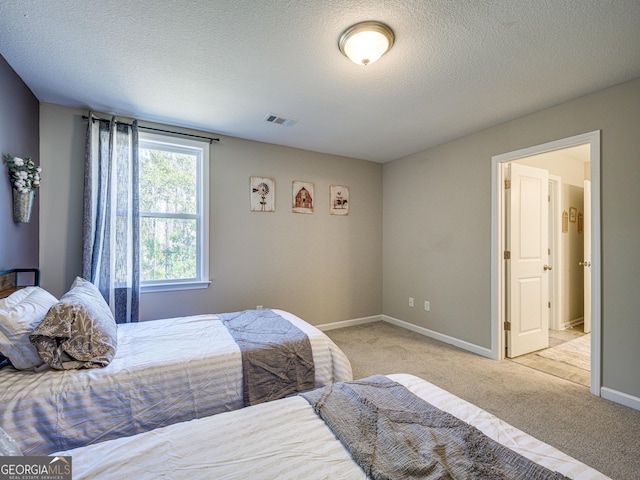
(574, 352)
(562, 413)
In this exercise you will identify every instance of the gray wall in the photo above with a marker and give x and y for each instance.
(19, 136)
(437, 226)
(322, 267)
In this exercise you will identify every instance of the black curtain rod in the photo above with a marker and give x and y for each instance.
(211, 140)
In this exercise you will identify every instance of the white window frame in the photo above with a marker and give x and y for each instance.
(201, 148)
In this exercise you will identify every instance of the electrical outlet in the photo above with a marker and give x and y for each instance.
(259, 307)
(411, 301)
(427, 305)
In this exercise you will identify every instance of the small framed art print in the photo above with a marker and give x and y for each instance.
(263, 194)
(302, 197)
(339, 195)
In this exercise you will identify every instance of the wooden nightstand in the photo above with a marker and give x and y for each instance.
(17, 278)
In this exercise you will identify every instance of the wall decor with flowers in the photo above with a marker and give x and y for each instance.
(24, 176)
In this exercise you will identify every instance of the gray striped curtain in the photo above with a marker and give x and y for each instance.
(111, 246)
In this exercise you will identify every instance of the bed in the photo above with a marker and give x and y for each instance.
(286, 439)
(163, 372)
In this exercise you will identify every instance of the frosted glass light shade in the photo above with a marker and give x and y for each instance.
(364, 43)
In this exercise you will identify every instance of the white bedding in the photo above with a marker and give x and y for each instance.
(283, 439)
(164, 371)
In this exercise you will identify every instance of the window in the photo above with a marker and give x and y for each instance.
(173, 213)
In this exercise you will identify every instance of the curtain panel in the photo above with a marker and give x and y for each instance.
(111, 243)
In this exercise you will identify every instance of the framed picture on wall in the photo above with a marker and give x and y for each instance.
(580, 222)
(339, 195)
(302, 197)
(572, 214)
(263, 194)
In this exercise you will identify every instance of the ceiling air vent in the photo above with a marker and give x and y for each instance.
(279, 120)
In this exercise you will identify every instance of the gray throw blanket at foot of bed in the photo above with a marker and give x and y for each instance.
(393, 434)
(277, 359)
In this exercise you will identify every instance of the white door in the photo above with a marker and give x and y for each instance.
(586, 263)
(527, 328)
(554, 250)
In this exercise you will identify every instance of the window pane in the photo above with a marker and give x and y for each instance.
(167, 249)
(168, 181)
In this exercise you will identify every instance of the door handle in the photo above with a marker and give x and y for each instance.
(584, 264)
(547, 267)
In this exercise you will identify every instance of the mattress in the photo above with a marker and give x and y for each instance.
(283, 439)
(165, 371)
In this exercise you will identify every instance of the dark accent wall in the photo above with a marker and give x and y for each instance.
(20, 136)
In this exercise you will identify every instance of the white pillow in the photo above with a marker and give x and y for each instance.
(8, 446)
(20, 313)
(8, 303)
(15, 297)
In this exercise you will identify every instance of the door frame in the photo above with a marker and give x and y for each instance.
(555, 225)
(498, 236)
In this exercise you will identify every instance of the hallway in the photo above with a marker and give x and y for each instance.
(568, 363)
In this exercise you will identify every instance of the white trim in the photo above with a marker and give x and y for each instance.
(596, 266)
(556, 302)
(497, 274)
(166, 287)
(572, 323)
(497, 266)
(621, 398)
(203, 261)
(349, 323)
(485, 352)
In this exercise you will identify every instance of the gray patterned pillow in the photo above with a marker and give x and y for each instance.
(77, 332)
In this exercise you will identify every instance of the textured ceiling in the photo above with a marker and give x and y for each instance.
(221, 66)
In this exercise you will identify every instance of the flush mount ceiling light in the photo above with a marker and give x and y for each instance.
(365, 42)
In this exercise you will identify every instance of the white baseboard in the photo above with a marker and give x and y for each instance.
(485, 352)
(620, 397)
(573, 323)
(607, 393)
(349, 323)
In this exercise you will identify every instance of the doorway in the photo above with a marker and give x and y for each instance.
(566, 353)
(500, 274)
